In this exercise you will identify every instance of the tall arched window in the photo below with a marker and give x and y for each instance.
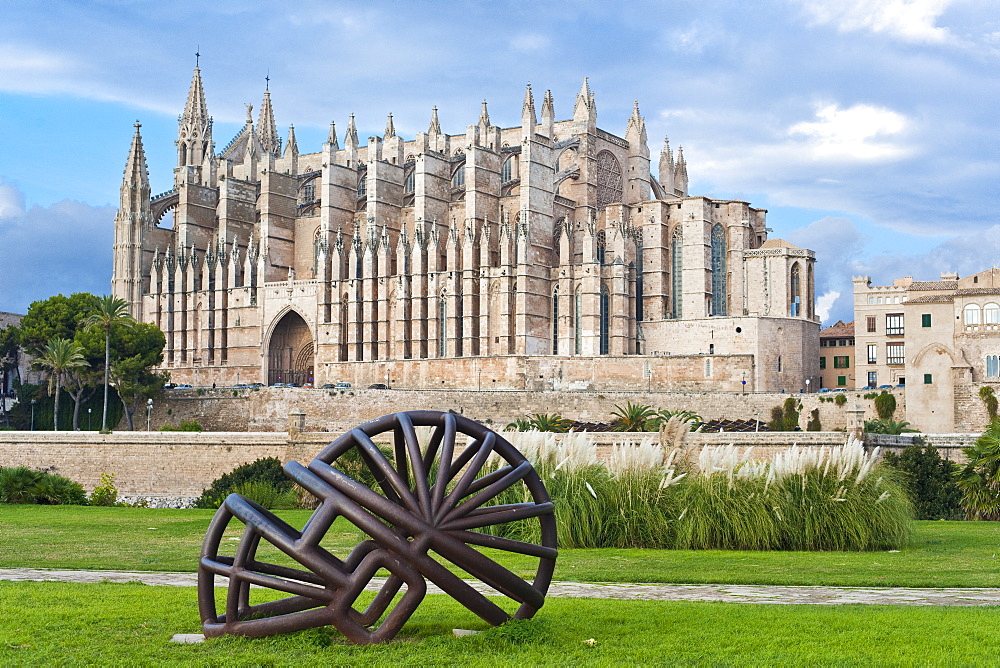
(555, 321)
(609, 179)
(676, 274)
(442, 325)
(363, 185)
(578, 322)
(410, 182)
(795, 292)
(605, 320)
(458, 177)
(718, 270)
(507, 170)
(971, 314)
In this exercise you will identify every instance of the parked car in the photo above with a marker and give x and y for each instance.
(183, 386)
(885, 387)
(869, 387)
(307, 385)
(824, 389)
(841, 389)
(327, 386)
(341, 385)
(169, 386)
(279, 385)
(379, 386)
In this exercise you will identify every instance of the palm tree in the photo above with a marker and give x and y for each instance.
(107, 312)
(61, 356)
(632, 417)
(979, 480)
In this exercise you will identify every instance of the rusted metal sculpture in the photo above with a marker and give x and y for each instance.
(431, 497)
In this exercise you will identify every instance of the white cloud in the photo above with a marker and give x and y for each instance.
(11, 201)
(63, 248)
(849, 134)
(906, 20)
(824, 303)
(527, 42)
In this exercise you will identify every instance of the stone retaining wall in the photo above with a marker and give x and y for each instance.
(182, 464)
(334, 410)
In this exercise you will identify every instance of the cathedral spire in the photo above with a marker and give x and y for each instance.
(484, 116)
(267, 130)
(635, 132)
(585, 110)
(291, 146)
(548, 115)
(194, 127)
(667, 167)
(332, 137)
(136, 173)
(390, 129)
(528, 118)
(435, 126)
(681, 173)
(351, 137)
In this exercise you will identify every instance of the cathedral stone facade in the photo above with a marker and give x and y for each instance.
(547, 255)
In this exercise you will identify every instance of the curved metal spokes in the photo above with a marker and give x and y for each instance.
(423, 498)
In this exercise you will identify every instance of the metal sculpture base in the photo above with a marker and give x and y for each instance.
(432, 497)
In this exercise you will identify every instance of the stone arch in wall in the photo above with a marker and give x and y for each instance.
(290, 351)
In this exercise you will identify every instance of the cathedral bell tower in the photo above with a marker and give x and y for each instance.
(194, 137)
(132, 222)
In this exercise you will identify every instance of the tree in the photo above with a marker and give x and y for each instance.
(890, 427)
(106, 313)
(10, 349)
(979, 479)
(632, 417)
(56, 317)
(785, 417)
(989, 399)
(885, 405)
(59, 357)
(140, 348)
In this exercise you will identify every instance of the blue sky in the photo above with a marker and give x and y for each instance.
(867, 128)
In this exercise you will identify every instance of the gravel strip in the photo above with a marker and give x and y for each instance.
(645, 592)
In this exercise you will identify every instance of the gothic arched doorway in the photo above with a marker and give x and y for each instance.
(290, 352)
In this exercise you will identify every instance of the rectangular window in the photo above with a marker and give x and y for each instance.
(822, 362)
(992, 366)
(894, 324)
(822, 343)
(872, 378)
(841, 362)
(872, 353)
(925, 320)
(841, 381)
(870, 320)
(842, 342)
(894, 353)
(928, 379)
(901, 381)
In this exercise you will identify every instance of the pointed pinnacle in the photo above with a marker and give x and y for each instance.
(435, 126)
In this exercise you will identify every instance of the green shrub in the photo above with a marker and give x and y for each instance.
(786, 416)
(105, 493)
(840, 399)
(17, 485)
(989, 399)
(266, 470)
(885, 405)
(979, 479)
(930, 481)
(23, 485)
(185, 425)
(55, 490)
(267, 495)
(814, 423)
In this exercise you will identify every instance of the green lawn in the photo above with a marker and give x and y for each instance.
(129, 624)
(942, 554)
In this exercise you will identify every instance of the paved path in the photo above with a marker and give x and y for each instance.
(646, 592)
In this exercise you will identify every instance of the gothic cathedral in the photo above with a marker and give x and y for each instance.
(544, 256)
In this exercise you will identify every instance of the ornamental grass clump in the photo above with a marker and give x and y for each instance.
(645, 496)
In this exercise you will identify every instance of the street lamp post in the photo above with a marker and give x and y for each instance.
(808, 380)
(149, 412)
(90, 412)
(32, 415)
